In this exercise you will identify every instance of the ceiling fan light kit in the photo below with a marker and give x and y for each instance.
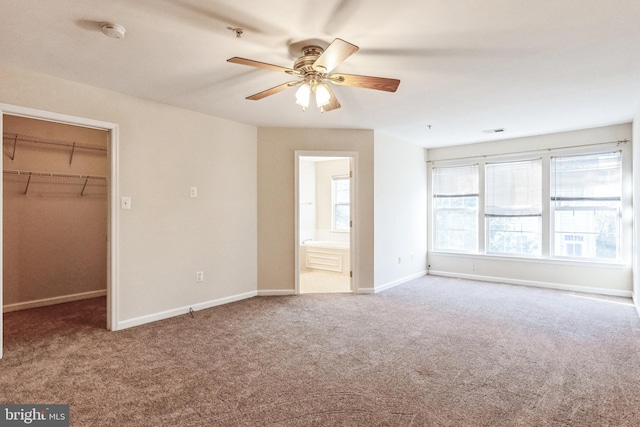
(313, 69)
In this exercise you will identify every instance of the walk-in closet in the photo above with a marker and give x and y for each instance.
(55, 187)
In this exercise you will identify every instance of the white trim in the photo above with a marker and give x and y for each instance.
(366, 290)
(354, 243)
(399, 281)
(276, 292)
(550, 261)
(535, 284)
(137, 321)
(51, 301)
(113, 213)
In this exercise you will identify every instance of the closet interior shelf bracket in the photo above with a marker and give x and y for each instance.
(30, 174)
(15, 142)
(55, 142)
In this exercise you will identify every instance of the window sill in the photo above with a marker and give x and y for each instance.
(535, 260)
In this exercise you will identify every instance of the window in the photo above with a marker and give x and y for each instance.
(565, 206)
(513, 207)
(586, 203)
(340, 199)
(455, 208)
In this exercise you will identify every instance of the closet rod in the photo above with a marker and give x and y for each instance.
(30, 174)
(53, 175)
(50, 141)
(533, 152)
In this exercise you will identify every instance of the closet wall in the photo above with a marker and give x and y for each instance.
(55, 227)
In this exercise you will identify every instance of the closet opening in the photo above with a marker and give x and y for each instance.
(56, 198)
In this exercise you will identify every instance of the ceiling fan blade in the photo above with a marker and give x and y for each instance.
(264, 65)
(333, 101)
(367, 82)
(334, 55)
(273, 90)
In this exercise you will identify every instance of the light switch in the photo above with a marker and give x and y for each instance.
(194, 192)
(125, 203)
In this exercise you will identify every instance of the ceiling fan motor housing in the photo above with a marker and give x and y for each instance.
(304, 64)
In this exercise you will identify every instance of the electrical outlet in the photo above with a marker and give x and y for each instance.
(399, 260)
(125, 203)
(199, 276)
(193, 192)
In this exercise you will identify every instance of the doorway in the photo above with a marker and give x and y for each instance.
(325, 192)
(44, 175)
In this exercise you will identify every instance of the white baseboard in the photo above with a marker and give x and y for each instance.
(52, 301)
(137, 321)
(366, 291)
(547, 285)
(400, 281)
(275, 292)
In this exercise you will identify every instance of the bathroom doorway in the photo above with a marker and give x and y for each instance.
(324, 228)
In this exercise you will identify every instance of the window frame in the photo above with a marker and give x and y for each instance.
(335, 204)
(618, 211)
(512, 215)
(464, 208)
(547, 243)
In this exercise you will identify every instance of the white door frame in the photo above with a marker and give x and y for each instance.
(112, 214)
(353, 193)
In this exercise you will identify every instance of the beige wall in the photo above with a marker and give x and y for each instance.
(276, 198)
(401, 211)
(167, 236)
(570, 275)
(636, 211)
(54, 240)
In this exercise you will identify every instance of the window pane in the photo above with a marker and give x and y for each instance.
(457, 230)
(341, 189)
(586, 202)
(455, 204)
(514, 235)
(589, 233)
(340, 201)
(591, 176)
(341, 215)
(513, 207)
(514, 189)
(459, 180)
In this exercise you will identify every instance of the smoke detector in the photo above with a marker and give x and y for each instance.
(113, 30)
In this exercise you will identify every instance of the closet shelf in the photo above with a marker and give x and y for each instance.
(15, 137)
(30, 174)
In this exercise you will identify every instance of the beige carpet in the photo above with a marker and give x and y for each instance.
(432, 352)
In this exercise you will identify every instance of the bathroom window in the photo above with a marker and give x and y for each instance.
(340, 199)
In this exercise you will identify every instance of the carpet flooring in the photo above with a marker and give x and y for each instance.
(431, 352)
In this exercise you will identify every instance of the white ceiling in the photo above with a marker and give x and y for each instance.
(528, 66)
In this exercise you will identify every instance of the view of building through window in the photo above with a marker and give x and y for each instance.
(586, 202)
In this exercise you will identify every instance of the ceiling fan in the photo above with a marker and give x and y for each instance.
(313, 70)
